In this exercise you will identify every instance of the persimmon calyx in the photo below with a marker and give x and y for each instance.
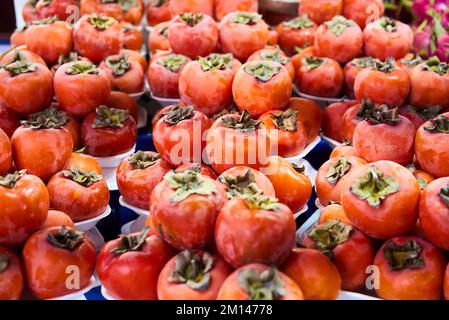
(329, 235)
(131, 242)
(383, 114)
(101, 22)
(297, 168)
(438, 125)
(373, 187)
(245, 123)
(312, 63)
(66, 238)
(4, 262)
(286, 120)
(191, 19)
(216, 61)
(262, 70)
(444, 194)
(196, 167)
(187, 183)
(248, 18)
(82, 67)
(71, 57)
(20, 65)
(142, 160)
(173, 62)
(50, 118)
(338, 25)
(435, 65)
(83, 178)
(406, 256)
(157, 3)
(386, 66)
(119, 65)
(338, 170)
(241, 184)
(177, 114)
(9, 181)
(388, 24)
(364, 62)
(301, 22)
(45, 21)
(261, 202)
(265, 285)
(193, 269)
(274, 55)
(126, 5)
(110, 117)
(412, 62)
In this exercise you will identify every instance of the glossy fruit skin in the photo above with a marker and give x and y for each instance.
(222, 150)
(385, 142)
(5, 153)
(204, 170)
(95, 44)
(363, 11)
(350, 74)
(164, 83)
(136, 185)
(9, 120)
(292, 188)
(271, 95)
(157, 40)
(381, 44)
(83, 162)
(431, 152)
(193, 80)
(244, 235)
(132, 39)
(29, 12)
(398, 211)
(290, 38)
(240, 39)
(310, 114)
(349, 122)
(28, 92)
(157, 14)
(332, 119)
(49, 40)
(55, 7)
(328, 192)
(199, 210)
(107, 142)
(412, 114)
(57, 218)
(389, 88)
(428, 88)
(188, 132)
(333, 212)
(342, 48)
(132, 81)
(314, 273)
(82, 93)
(135, 56)
(133, 275)
(96, 7)
(231, 290)
(193, 6)
(9, 56)
(54, 147)
(320, 10)
(11, 279)
(134, 14)
(324, 81)
(297, 58)
(433, 214)
(284, 143)
(121, 100)
(17, 38)
(351, 258)
(79, 202)
(256, 56)
(446, 284)
(261, 180)
(409, 284)
(46, 265)
(223, 7)
(167, 290)
(197, 41)
(343, 149)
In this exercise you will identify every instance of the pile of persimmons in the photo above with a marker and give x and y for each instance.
(224, 186)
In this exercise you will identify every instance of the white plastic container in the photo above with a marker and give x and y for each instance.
(106, 294)
(91, 223)
(306, 150)
(321, 101)
(135, 225)
(333, 143)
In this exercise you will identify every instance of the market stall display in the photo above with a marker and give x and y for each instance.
(177, 156)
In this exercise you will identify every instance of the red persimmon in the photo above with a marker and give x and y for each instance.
(9, 120)
(61, 8)
(108, 131)
(157, 11)
(296, 33)
(223, 7)
(191, 6)
(125, 74)
(5, 153)
(132, 37)
(333, 118)
(158, 38)
(192, 275)
(57, 218)
(137, 176)
(83, 162)
(240, 181)
(121, 100)
(49, 253)
(11, 277)
(275, 55)
(309, 113)
(381, 199)
(333, 212)
(352, 69)
(20, 53)
(363, 11)
(419, 116)
(320, 10)
(186, 196)
(197, 167)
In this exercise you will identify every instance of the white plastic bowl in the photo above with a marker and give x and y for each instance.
(143, 117)
(323, 102)
(135, 225)
(139, 211)
(318, 204)
(91, 223)
(164, 102)
(333, 143)
(79, 295)
(136, 96)
(106, 294)
(306, 150)
(304, 209)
